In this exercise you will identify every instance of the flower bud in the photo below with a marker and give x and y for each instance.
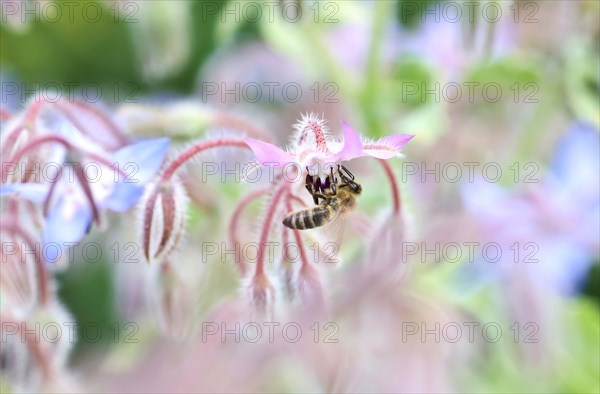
(172, 298)
(287, 273)
(260, 293)
(162, 39)
(11, 142)
(310, 290)
(383, 252)
(18, 277)
(36, 348)
(58, 334)
(163, 219)
(18, 367)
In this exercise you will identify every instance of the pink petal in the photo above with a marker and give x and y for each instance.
(268, 154)
(397, 140)
(353, 147)
(387, 147)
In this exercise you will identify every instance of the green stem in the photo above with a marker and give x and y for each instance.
(329, 63)
(538, 124)
(371, 87)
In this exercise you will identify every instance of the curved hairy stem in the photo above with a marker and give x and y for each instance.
(234, 224)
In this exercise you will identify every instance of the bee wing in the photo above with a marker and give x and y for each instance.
(331, 239)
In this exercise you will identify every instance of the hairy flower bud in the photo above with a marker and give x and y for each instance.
(18, 277)
(260, 293)
(162, 37)
(310, 290)
(383, 254)
(172, 298)
(287, 274)
(58, 342)
(163, 219)
(36, 347)
(11, 142)
(17, 363)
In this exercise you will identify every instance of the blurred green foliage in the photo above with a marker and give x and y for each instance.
(411, 71)
(87, 291)
(80, 49)
(71, 51)
(582, 79)
(409, 12)
(591, 287)
(203, 44)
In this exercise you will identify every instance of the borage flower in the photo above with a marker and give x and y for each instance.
(76, 194)
(312, 146)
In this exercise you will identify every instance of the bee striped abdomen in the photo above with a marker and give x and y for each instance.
(309, 218)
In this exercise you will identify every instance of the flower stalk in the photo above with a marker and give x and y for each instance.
(195, 149)
(394, 186)
(234, 225)
(279, 192)
(172, 196)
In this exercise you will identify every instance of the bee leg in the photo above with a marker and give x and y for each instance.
(316, 196)
(347, 171)
(330, 182)
(318, 189)
(311, 184)
(343, 176)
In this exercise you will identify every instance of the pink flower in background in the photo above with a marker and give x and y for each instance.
(555, 222)
(451, 50)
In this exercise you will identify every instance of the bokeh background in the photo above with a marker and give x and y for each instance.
(501, 84)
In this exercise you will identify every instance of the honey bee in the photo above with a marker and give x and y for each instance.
(335, 198)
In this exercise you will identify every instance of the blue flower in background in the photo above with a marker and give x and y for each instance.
(556, 222)
(73, 201)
